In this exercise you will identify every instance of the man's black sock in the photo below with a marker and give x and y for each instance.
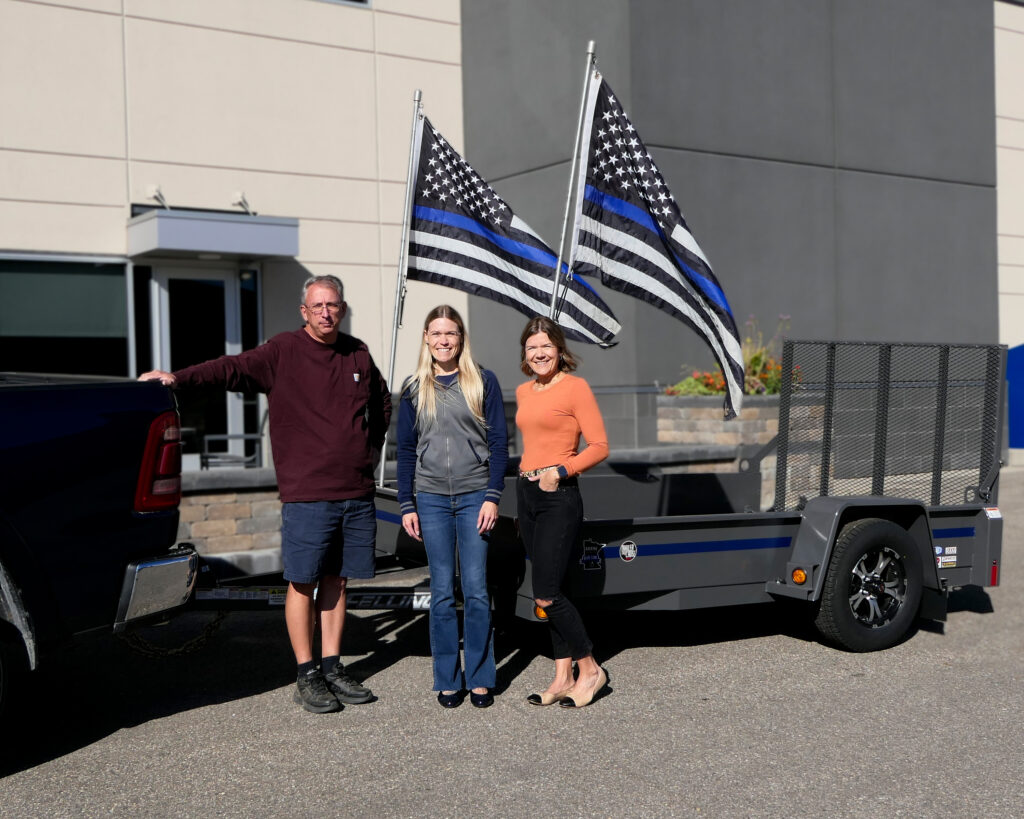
(306, 668)
(328, 663)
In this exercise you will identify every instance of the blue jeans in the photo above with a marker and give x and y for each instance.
(447, 523)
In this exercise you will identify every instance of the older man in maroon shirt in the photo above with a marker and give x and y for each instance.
(329, 410)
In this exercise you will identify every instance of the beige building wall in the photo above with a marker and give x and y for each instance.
(1009, 51)
(303, 105)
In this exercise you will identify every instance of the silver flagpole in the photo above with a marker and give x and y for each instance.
(414, 145)
(553, 312)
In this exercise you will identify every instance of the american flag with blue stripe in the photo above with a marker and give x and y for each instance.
(463, 235)
(630, 231)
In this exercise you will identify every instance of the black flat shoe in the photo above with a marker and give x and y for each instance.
(481, 700)
(450, 700)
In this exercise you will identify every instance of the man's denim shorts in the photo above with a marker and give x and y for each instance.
(328, 538)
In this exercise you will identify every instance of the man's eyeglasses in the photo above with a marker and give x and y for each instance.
(318, 308)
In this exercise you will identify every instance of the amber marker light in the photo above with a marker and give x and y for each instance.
(799, 576)
(539, 613)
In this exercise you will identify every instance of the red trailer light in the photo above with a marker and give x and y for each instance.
(994, 579)
(159, 485)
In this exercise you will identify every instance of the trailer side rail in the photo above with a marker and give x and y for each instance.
(906, 420)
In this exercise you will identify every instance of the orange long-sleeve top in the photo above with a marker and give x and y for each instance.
(552, 421)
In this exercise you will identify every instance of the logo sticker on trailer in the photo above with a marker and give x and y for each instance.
(591, 558)
(627, 550)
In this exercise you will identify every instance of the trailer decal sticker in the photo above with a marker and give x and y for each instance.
(591, 558)
(963, 531)
(695, 547)
(945, 556)
(627, 551)
(389, 517)
(992, 512)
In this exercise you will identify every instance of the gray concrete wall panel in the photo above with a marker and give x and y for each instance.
(914, 260)
(915, 88)
(734, 77)
(523, 74)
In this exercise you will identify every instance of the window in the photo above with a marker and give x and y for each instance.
(63, 317)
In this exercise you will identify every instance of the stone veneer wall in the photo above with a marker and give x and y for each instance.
(696, 420)
(236, 513)
(230, 510)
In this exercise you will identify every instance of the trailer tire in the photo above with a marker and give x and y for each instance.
(872, 589)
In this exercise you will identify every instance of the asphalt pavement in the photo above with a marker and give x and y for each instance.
(724, 712)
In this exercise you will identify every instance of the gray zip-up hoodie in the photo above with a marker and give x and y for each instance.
(457, 453)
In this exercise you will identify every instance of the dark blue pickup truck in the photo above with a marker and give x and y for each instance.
(90, 482)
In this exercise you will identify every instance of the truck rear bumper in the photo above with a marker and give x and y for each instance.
(156, 585)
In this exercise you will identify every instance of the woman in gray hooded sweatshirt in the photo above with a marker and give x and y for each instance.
(452, 452)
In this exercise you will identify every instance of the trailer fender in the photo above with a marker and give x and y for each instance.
(824, 518)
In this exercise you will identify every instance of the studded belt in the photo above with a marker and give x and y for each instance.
(533, 473)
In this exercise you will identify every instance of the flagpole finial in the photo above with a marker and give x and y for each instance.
(591, 47)
(417, 96)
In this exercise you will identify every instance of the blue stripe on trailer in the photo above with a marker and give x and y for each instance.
(659, 549)
(963, 531)
(390, 517)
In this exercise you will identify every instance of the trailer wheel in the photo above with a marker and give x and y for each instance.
(872, 589)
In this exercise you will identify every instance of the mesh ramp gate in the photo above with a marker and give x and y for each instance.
(905, 420)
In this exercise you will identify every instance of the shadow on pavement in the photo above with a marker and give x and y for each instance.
(97, 687)
(970, 598)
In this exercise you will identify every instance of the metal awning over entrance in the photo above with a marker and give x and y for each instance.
(176, 233)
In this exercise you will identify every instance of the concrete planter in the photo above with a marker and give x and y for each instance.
(697, 421)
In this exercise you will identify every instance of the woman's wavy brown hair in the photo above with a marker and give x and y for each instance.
(542, 324)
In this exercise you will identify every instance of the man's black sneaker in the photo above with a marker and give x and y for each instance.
(312, 693)
(345, 688)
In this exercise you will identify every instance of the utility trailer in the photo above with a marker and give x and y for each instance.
(886, 481)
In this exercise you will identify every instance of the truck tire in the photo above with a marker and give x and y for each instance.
(872, 589)
(13, 668)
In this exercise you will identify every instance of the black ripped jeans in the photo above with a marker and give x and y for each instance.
(549, 523)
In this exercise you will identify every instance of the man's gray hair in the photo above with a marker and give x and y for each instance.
(326, 281)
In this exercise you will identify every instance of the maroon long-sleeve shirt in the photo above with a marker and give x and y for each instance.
(329, 410)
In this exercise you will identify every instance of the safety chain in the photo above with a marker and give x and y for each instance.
(143, 646)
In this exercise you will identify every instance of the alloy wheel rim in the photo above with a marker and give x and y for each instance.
(878, 587)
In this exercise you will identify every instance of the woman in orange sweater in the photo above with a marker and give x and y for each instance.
(554, 409)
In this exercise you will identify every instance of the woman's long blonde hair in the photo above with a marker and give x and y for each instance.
(423, 383)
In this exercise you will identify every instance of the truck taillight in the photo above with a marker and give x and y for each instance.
(159, 485)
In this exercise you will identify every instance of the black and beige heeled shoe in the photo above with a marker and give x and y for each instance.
(547, 698)
(582, 702)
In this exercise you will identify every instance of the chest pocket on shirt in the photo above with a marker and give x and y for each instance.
(357, 383)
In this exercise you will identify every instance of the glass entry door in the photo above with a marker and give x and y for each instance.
(198, 318)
